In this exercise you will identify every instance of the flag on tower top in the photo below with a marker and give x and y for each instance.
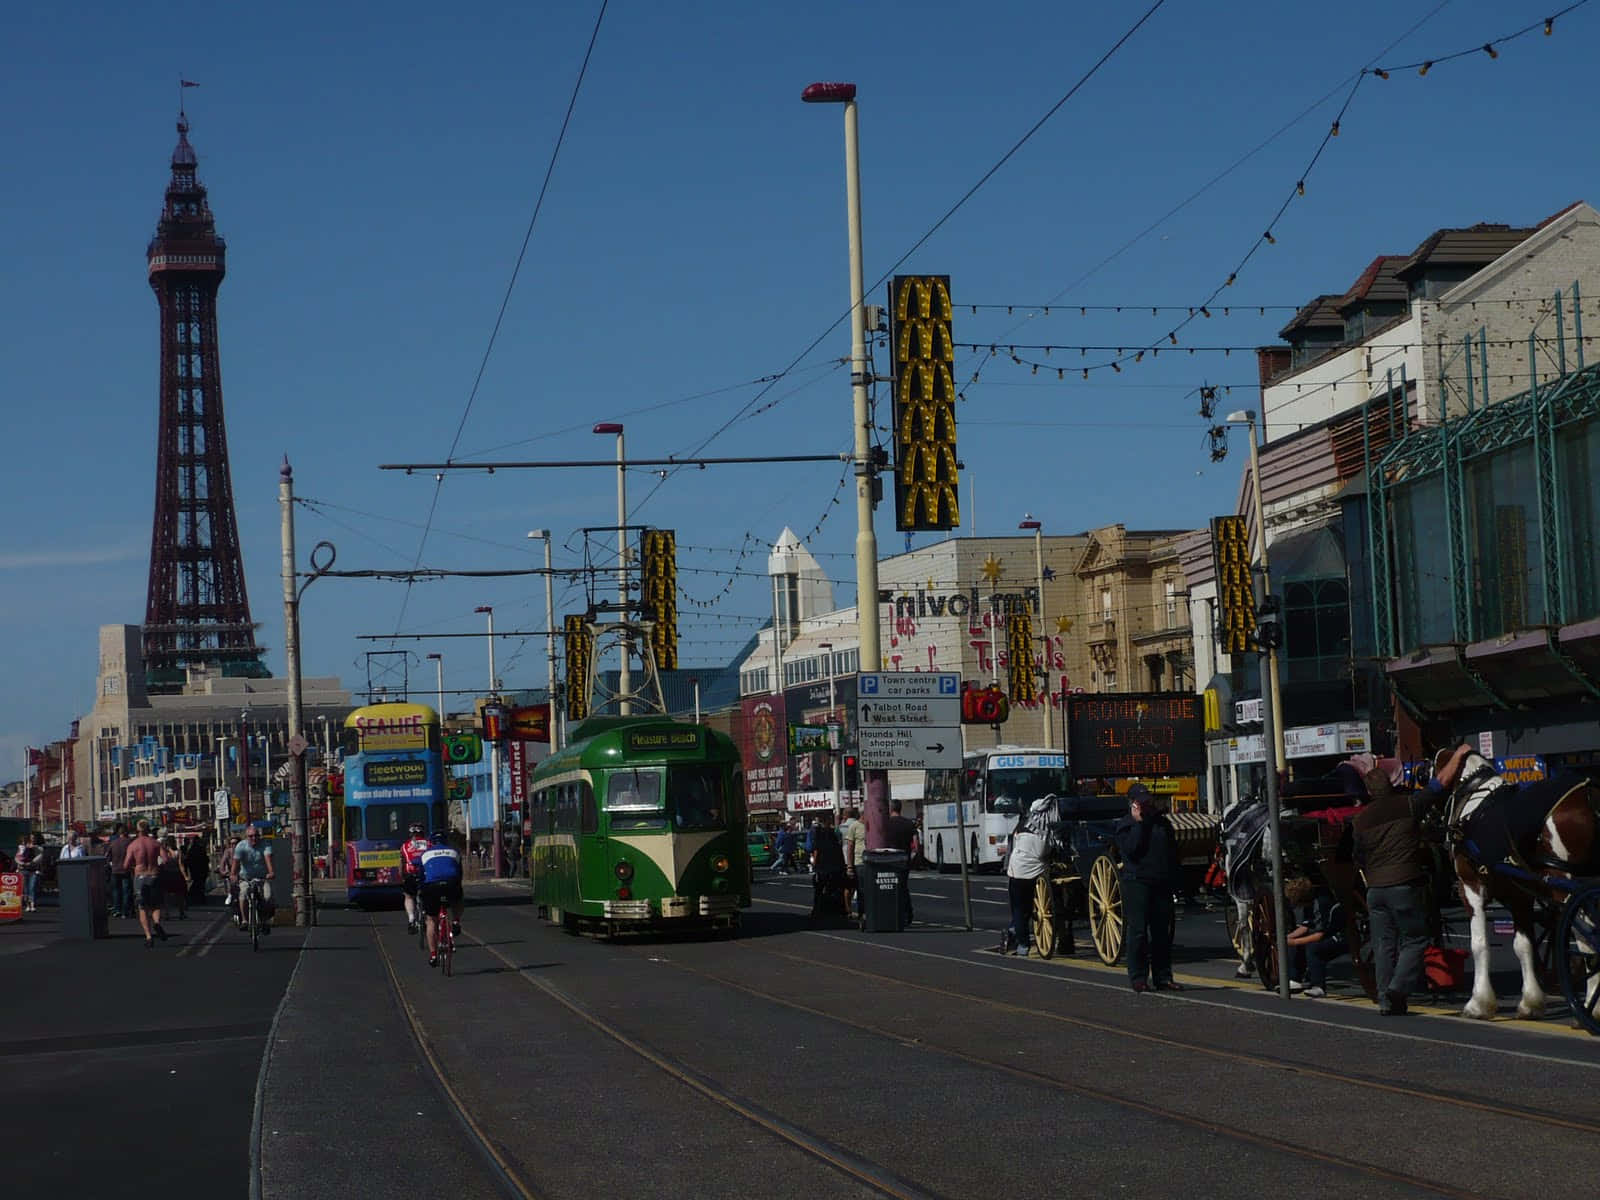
(35, 757)
(187, 83)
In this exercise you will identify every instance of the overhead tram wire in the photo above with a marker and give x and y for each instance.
(505, 301)
(918, 244)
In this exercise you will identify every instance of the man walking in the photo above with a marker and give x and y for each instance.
(143, 861)
(121, 885)
(1388, 850)
(1149, 876)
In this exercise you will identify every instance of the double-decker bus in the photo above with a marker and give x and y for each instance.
(968, 812)
(639, 824)
(393, 776)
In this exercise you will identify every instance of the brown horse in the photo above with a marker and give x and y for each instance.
(1505, 845)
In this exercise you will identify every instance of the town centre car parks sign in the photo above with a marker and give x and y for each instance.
(908, 720)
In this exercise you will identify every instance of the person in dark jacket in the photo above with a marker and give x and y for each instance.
(1388, 850)
(1149, 877)
(827, 867)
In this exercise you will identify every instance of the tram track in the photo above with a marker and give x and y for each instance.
(504, 1176)
(1081, 1090)
(1240, 1057)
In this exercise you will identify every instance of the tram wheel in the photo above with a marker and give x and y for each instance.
(1043, 924)
(1105, 910)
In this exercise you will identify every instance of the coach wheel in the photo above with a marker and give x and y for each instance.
(1358, 933)
(1105, 910)
(1263, 941)
(943, 868)
(1578, 956)
(1043, 925)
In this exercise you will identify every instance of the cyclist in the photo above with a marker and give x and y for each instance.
(251, 861)
(441, 884)
(411, 852)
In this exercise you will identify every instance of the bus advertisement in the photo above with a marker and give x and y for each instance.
(969, 812)
(393, 778)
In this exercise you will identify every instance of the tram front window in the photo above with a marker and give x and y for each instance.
(1014, 790)
(694, 795)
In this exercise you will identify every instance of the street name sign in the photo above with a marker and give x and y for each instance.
(938, 711)
(890, 748)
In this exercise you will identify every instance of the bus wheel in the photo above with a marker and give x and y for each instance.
(939, 857)
(972, 859)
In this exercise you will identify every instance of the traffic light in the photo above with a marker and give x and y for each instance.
(852, 773)
(1269, 623)
(984, 706)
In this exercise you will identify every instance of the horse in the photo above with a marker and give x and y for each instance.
(1506, 844)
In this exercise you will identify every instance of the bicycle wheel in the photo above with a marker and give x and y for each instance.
(447, 946)
(422, 928)
(255, 920)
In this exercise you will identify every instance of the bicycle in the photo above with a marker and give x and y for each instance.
(445, 939)
(252, 901)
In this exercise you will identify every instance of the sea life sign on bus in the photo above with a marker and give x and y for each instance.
(397, 727)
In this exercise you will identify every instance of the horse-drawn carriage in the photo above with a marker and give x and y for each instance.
(1084, 877)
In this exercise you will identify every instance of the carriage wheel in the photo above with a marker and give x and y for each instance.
(1547, 945)
(1238, 935)
(1105, 910)
(1043, 924)
(1358, 933)
(1264, 940)
(1578, 956)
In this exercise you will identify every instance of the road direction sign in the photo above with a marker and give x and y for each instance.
(891, 748)
(939, 711)
(297, 744)
(219, 801)
(908, 685)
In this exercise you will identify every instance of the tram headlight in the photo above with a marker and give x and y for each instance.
(624, 870)
(719, 864)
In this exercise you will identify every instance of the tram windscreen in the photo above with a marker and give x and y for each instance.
(694, 794)
(1014, 789)
(634, 790)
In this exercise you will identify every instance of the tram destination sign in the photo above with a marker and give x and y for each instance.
(1138, 733)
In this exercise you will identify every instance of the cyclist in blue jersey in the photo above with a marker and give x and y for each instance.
(441, 885)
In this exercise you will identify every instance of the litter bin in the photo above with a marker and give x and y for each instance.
(81, 883)
(885, 886)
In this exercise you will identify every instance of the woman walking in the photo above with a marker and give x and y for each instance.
(174, 878)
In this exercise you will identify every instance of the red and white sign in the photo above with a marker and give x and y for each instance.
(10, 896)
(517, 760)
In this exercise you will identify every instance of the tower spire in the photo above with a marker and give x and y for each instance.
(197, 612)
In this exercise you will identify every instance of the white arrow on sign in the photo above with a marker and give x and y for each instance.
(943, 711)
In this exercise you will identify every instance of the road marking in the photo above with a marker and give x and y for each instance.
(212, 940)
(1168, 997)
(200, 937)
(261, 1075)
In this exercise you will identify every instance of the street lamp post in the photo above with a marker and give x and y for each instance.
(876, 783)
(494, 754)
(1028, 522)
(550, 636)
(244, 765)
(1271, 711)
(833, 751)
(625, 676)
(438, 663)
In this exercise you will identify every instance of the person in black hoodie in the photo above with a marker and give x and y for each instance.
(1149, 878)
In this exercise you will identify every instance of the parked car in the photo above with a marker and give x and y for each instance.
(761, 851)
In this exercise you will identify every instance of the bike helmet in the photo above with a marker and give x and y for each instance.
(441, 835)
(416, 829)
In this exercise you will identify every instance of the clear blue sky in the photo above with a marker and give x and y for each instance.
(374, 167)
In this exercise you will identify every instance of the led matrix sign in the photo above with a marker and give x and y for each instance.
(1138, 733)
(580, 647)
(659, 552)
(1019, 652)
(925, 477)
(1230, 544)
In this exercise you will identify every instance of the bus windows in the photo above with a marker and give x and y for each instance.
(695, 795)
(1014, 789)
(392, 820)
(352, 823)
(633, 790)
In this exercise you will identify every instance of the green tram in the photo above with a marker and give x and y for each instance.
(639, 825)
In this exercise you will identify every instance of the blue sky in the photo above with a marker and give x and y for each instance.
(374, 169)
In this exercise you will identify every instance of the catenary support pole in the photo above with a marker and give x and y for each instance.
(299, 830)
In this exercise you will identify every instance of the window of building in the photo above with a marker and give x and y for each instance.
(1105, 604)
(1172, 602)
(1316, 629)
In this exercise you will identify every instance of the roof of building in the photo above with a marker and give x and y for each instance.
(1476, 246)
(1321, 313)
(1379, 283)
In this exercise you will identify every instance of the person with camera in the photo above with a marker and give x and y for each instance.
(1149, 877)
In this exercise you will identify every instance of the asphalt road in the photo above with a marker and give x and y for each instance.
(792, 1061)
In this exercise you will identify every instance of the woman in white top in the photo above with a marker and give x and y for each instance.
(1025, 862)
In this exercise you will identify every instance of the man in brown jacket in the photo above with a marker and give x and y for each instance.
(1388, 849)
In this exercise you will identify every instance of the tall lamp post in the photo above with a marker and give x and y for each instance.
(494, 753)
(438, 664)
(833, 751)
(876, 784)
(625, 676)
(1271, 709)
(1028, 522)
(550, 635)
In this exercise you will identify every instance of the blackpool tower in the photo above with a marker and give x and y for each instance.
(197, 613)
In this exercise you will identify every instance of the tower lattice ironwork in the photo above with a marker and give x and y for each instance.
(197, 613)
